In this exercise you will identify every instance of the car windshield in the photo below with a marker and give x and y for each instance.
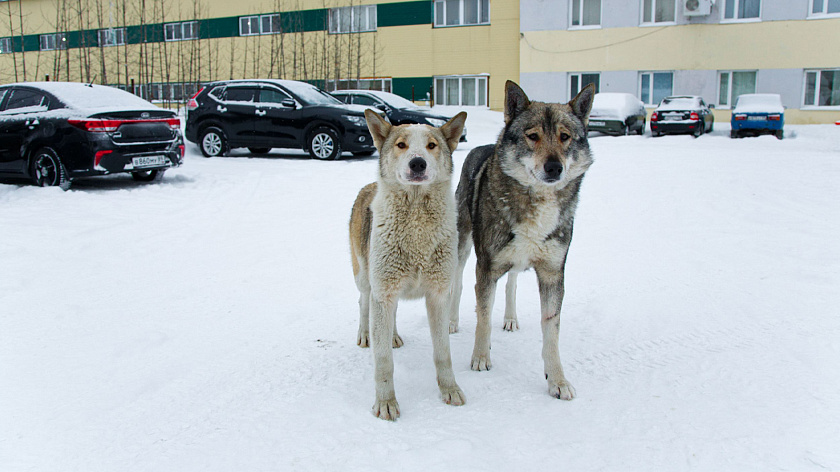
(310, 94)
(680, 103)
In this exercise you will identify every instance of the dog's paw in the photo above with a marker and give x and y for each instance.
(511, 324)
(562, 390)
(386, 409)
(481, 362)
(363, 339)
(453, 396)
(453, 327)
(398, 342)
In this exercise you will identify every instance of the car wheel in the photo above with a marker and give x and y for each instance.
(256, 150)
(711, 127)
(363, 153)
(47, 170)
(213, 142)
(780, 134)
(699, 130)
(324, 144)
(641, 130)
(148, 175)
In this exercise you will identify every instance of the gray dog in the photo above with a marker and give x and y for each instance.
(517, 200)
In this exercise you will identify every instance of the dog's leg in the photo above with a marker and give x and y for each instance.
(436, 305)
(363, 338)
(464, 246)
(383, 308)
(485, 293)
(551, 300)
(397, 340)
(511, 323)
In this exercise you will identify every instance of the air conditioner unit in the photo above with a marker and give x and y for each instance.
(697, 7)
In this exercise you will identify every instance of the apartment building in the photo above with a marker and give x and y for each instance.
(717, 49)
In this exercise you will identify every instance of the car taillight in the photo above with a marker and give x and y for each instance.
(654, 116)
(174, 123)
(694, 116)
(774, 117)
(740, 117)
(192, 103)
(97, 158)
(96, 126)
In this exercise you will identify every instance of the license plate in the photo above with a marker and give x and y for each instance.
(673, 117)
(596, 123)
(148, 161)
(757, 118)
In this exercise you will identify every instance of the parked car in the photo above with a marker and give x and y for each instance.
(682, 114)
(758, 113)
(398, 110)
(55, 132)
(265, 113)
(617, 114)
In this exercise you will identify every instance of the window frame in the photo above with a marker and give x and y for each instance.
(334, 19)
(179, 26)
(59, 41)
(581, 26)
(460, 78)
(6, 46)
(816, 96)
(729, 97)
(652, 73)
(653, 21)
(480, 13)
(579, 76)
(106, 33)
(253, 25)
(275, 25)
(735, 18)
(824, 13)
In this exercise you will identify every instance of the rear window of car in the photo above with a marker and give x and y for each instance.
(2, 95)
(364, 100)
(21, 101)
(680, 103)
(217, 92)
(239, 94)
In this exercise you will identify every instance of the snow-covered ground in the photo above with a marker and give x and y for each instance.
(208, 323)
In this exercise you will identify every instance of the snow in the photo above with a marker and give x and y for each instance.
(93, 98)
(679, 104)
(616, 105)
(209, 322)
(759, 103)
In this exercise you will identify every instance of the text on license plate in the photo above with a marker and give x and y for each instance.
(596, 123)
(147, 161)
(757, 118)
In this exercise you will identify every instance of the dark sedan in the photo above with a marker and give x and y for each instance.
(261, 114)
(682, 114)
(399, 110)
(55, 132)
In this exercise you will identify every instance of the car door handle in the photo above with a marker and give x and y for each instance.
(33, 123)
(221, 109)
(261, 112)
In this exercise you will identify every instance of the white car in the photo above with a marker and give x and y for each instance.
(617, 114)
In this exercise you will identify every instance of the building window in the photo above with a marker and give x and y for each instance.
(112, 37)
(5, 45)
(822, 88)
(732, 84)
(586, 13)
(462, 12)
(578, 81)
(654, 86)
(259, 24)
(741, 9)
(383, 85)
(461, 91)
(50, 42)
(658, 11)
(249, 25)
(270, 24)
(825, 7)
(353, 19)
(181, 31)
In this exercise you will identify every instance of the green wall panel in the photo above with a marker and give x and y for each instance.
(401, 14)
(402, 86)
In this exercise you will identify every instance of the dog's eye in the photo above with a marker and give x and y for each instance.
(432, 145)
(534, 137)
(564, 137)
(401, 145)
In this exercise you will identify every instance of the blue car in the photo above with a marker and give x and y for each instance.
(758, 113)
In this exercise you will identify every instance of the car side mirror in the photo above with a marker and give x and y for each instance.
(288, 103)
(382, 107)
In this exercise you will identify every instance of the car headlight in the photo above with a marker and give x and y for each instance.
(436, 122)
(356, 120)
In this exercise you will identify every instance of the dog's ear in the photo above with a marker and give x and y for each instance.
(453, 128)
(379, 128)
(515, 101)
(582, 103)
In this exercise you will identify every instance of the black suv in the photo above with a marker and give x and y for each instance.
(265, 113)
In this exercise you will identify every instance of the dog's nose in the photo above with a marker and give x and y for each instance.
(553, 169)
(417, 165)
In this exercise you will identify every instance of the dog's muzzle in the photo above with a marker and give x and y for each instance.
(553, 171)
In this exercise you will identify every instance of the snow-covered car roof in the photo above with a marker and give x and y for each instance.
(681, 102)
(387, 97)
(615, 104)
(759, 103)
(304, 91)
(91, 98)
